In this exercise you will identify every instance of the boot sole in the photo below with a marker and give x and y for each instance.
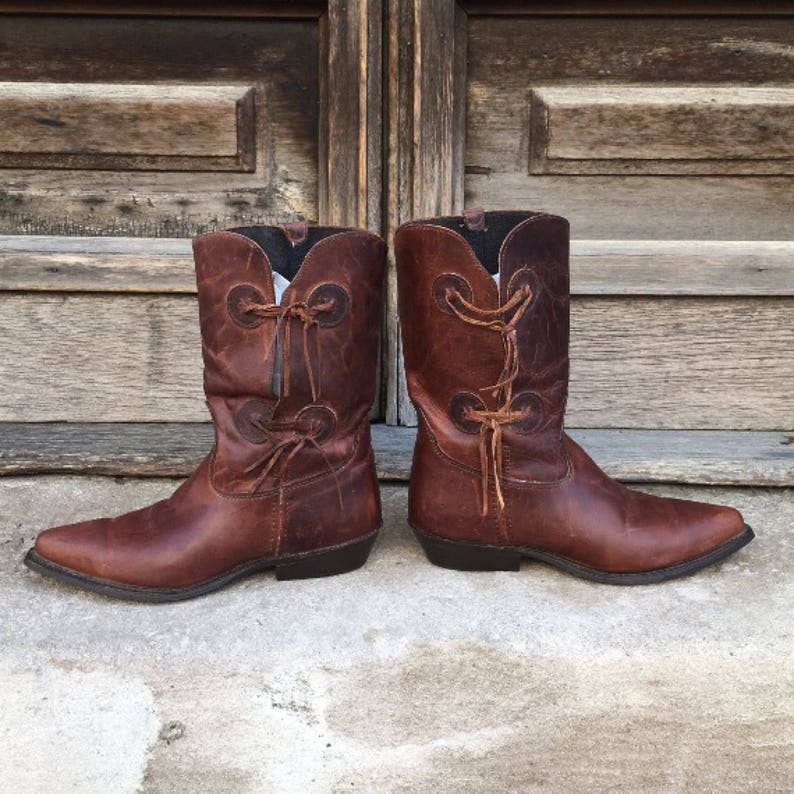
(462, 556)
(334, 560)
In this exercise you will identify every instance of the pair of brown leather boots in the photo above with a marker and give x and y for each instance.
(290, 483)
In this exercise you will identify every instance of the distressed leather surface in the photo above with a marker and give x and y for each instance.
(556, 498)
(220, 517)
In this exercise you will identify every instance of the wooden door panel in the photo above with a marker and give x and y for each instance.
(666, 139)
(590, 117)
(128, 126)
(627, 129)
(120, 131)
(157, 126)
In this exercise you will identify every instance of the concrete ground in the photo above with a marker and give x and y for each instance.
(400, 677)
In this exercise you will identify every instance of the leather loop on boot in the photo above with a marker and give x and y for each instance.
(313, 426)
(296, 232)
(316, 421)
(525, 278)
(240, 297)
(330, 295)
(251, 420)
(462, 403)
(526, 405)
(446, 287)
(474, 219)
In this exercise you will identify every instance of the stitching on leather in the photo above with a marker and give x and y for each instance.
(276, 524)
(295, 484)
(515, 230)
(321, 244)
(454, 277)
(483, 275)
(533, 277)
(523, 484)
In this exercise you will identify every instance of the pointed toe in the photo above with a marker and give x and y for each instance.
(711, 526)
(73, 546)
(728, 523)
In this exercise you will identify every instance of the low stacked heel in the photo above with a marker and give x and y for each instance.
(462, 556)
(329, 562)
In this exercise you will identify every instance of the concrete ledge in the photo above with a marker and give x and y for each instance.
(400, 677)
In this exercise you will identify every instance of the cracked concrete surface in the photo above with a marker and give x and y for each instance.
(400, 677)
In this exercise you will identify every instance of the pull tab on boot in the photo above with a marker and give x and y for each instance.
(474, 218)
(296, 232)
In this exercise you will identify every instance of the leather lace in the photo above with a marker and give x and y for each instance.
(296, 439)
(491, 422)
(307, 315)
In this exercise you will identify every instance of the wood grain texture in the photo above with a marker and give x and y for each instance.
(351, 124)
(621, 8)
(656, 129)
(96, 264)
(508, 58)
(682, 267)
(351, 114)
(710, 457)
(174, 127)
(111, 358)
(646, 207)
(636, 362)
(598, 267)
(174, 8)
(635, 234)
(426, 119)
(277, 58)
(174, 450)
(682, 363)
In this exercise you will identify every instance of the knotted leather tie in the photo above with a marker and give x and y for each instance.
(491, 422)
(297, 439)
(307, 314)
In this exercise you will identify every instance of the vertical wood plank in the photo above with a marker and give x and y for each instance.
(351, 109)
(426, 105)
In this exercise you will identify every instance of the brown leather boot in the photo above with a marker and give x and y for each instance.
(290, 482)
(495, 479)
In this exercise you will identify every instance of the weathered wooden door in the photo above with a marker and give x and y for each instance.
(667, 138)
(121, 134)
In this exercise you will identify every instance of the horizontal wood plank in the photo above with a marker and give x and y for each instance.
(59, 263)
(645, 207)
(598, 267)
(694, 363)
(100, 358)
(636, 362)
(174, 127)
(174, 8)
(509, 57)
(681, 267)
(659, 129)
(161, 450)
(227, 134)
(514, 8)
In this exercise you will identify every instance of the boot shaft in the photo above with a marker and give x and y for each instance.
(482, 356)
(300, 368)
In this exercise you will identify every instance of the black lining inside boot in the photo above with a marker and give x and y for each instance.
(285, 258)
(485, 242)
